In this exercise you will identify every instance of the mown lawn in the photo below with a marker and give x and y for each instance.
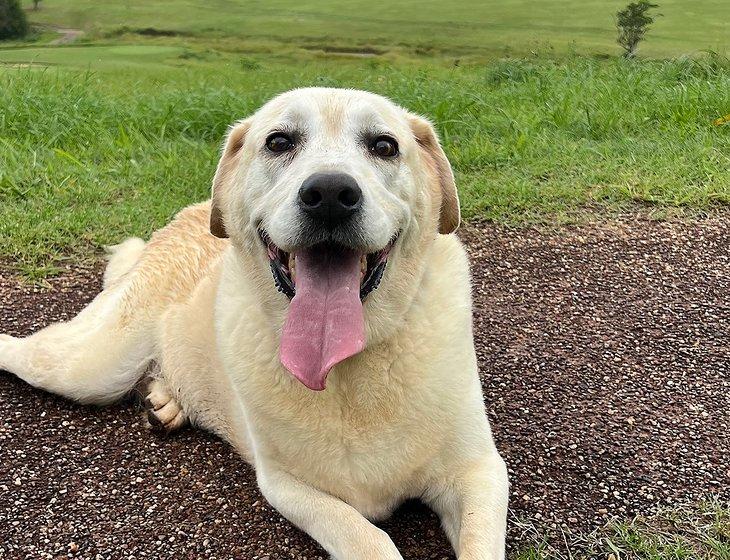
(423, 26)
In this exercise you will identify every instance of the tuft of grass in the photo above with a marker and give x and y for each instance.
(91, 156)
(697, 532)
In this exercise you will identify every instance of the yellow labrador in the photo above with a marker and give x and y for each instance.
(323, 329)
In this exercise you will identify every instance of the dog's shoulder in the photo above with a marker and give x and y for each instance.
(446, 286)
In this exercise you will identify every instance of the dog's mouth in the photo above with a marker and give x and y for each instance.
(284, 265)
(325, 324)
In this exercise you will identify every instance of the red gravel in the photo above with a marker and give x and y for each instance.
(604, 351)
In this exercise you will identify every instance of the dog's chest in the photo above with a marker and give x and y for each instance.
(366, 443)
(366, 459)
(384, 418)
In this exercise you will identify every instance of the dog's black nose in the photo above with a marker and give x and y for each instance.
(330, 197)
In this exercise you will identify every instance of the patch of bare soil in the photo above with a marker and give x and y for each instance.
(67, 37)
(604, 353)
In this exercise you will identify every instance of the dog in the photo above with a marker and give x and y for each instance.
(323, 329)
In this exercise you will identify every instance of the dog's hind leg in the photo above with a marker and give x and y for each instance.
(100, 354)
(93, 358)
(189, 384)
(121, 258)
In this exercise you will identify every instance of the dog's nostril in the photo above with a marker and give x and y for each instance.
(310, 197)
(349, 197)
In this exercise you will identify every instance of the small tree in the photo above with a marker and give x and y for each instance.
(13, 24)
(633, 23)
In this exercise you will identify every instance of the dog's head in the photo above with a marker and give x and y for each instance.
(328, 186)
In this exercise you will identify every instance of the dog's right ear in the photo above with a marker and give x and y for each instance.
(230, 159)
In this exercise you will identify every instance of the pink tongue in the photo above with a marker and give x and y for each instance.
(325, 323)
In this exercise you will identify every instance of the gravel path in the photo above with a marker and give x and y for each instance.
(605, 356)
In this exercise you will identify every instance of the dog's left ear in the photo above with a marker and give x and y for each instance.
(450, 215)
(230, 159)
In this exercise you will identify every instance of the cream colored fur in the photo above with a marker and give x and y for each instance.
(403, 419)
(122, 257)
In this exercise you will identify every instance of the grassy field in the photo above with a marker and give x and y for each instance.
(424, 26)
(136, 110)
(130, 117)
(90, 156)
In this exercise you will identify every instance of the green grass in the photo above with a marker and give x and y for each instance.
(700, 532)
(146, 58)
(111, 136)
(91, 156)
(423, 26)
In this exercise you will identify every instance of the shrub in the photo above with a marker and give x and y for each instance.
(13, 24)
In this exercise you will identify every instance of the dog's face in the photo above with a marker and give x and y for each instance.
(328, 184)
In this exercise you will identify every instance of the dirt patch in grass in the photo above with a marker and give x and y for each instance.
(604, 354)
(146, 32)
(67, 37)
(337, 49)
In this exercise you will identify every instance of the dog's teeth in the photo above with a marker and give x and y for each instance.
(363, 266)
(292, 267)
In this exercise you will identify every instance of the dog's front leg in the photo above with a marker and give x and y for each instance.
(473, 508)
(338, 527)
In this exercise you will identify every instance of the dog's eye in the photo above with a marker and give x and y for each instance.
(279, 143)
(384, 147)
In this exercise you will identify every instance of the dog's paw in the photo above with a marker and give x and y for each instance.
(7, 344)
(163, 413)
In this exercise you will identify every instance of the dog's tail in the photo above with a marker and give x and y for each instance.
(121, 259)
(95, 357)
(99, 355)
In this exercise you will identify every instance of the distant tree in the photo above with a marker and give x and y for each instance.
(13, 24)
(632, 23)
(36, 4)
